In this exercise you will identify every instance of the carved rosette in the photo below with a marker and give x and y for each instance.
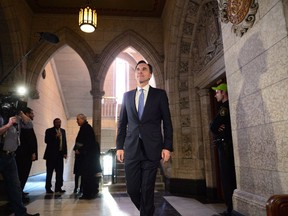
(241, 13)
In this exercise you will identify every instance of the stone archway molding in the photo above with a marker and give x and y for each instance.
(127, 39)
(44, 52)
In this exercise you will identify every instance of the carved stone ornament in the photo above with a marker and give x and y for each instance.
(241, 13)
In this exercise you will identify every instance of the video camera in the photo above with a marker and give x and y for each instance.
(10, 105)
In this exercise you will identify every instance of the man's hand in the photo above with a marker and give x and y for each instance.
(120, 155)
(33, 157)
(165, 155)
(12, 120)
(24, 117)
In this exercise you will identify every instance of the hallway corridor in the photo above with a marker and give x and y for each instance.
(106, 204)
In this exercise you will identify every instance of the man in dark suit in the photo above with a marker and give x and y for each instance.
(142, 119)
(55, 151)
(26, 152)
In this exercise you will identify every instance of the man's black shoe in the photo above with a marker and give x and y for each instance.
(85, 197)
(49, 191)
(225, 213)
(27, 214)
(25, 199)
(60, 191)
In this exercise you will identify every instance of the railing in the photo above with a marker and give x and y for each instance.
(110, 108)
(109, 165)
(277, 205)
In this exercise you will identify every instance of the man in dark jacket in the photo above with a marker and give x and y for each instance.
(221, 128)
(55, 151)
(27, 151)
(88, 152)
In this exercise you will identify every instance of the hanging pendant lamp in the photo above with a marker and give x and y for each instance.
(87, 19)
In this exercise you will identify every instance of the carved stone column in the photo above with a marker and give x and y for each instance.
(96, 116)
(209, 159)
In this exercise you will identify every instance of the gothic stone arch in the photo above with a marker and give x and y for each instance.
(40, 56)
(130, 39)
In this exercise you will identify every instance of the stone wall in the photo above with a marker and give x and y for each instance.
(48, 107)
(256, 69)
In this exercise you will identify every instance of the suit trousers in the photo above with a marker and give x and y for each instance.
(140, 181)
(24, 164)
(56, 164)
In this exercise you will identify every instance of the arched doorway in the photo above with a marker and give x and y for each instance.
(119, 79)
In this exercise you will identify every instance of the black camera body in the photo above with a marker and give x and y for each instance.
(10, 105)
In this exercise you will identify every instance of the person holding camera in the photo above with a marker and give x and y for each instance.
(9, 142)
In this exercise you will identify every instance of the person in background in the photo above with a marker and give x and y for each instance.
(88, 151)
(55, 152)
(27, 152)
(144, 115)
(221, 129)
(9, 142)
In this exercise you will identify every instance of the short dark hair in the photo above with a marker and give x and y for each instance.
(27, 110)
(56, 119)
(142, 61)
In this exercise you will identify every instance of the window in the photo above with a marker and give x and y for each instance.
(122, 78)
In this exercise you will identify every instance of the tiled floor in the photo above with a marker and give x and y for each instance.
(107, 204)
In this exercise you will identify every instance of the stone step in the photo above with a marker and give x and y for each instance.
(121, 187)
(121, 179)
(121, 172)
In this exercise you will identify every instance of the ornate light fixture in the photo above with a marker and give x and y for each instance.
(87, 19)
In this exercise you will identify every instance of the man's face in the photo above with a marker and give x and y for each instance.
(57, 123)
(80, 121)
(219, 95)
(142, 74)
(30, 115)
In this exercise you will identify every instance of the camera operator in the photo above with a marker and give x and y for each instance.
(9, 142)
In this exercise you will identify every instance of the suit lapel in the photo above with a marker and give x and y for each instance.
(132, 101)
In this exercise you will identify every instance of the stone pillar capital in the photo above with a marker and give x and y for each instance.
(97, 94)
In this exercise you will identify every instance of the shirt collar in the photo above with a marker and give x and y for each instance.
(146, 88)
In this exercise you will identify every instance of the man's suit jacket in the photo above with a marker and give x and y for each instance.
(156, 112)
(53, 144)
(28, 144)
